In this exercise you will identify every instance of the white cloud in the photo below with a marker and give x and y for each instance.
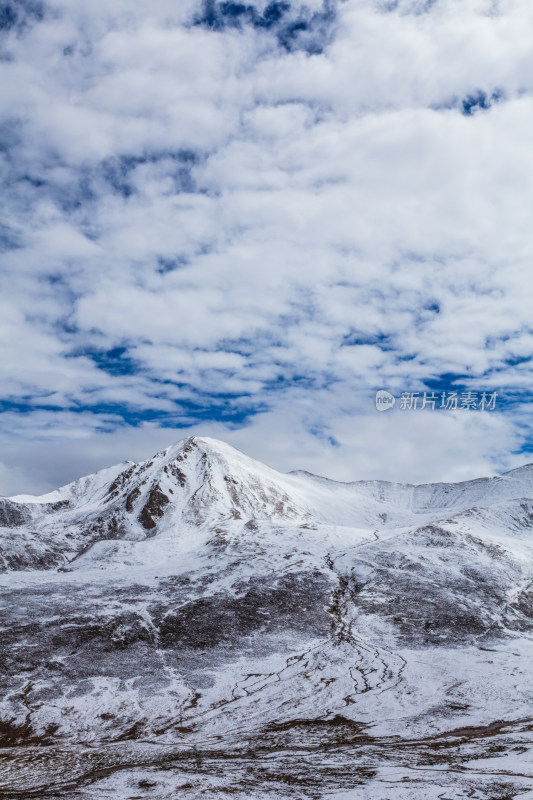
(250, 222)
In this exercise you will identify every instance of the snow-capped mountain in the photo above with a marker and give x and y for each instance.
(201, 482)
(167, 621)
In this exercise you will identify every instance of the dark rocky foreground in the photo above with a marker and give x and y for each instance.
(298, 760)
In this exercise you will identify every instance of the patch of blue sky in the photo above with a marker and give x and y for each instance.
(357, 337)
(473, 102)
(27, 405)
(167, 264)
(18, 14)
(291, 380)
(406, 6)
(9, 238)
(480, 100)
(295, 27)
(323, 433)
(115, 361)
(119, 172)
(115, 415)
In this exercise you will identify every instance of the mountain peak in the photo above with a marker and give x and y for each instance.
(202, 443)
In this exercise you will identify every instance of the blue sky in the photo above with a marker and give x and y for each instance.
(242, 219)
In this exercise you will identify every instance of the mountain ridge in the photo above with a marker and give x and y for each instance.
(219, 444)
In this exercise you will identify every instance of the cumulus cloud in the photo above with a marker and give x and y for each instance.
(243, 218)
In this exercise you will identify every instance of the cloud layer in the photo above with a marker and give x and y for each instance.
(244, 218)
